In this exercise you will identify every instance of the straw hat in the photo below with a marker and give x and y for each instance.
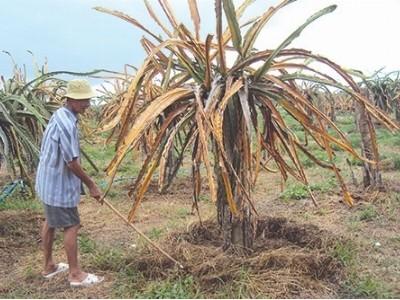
(79, 89)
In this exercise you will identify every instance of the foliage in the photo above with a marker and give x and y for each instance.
(385, 91)
(25, 108)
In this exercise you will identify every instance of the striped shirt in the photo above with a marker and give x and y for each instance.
(56, 185)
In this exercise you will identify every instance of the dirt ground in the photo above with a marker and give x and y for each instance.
(293, 258)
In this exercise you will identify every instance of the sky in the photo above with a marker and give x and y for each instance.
(70, 35)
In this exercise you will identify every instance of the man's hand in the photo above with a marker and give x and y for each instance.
(76, 168)
(95, 192)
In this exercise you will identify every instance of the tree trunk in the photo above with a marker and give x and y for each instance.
(239, 229)
(371, 173)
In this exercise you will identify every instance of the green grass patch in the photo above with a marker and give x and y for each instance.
(299, 191)
(355, 140)
(182, 212)
(295, 192)
(86, 245)
(396, 162)
(155, 233)
(368, 287)
(238, 288)
(177, 288)
(356, 162)
(324, 186)
(16, 202)
(368, 213)
(345, 119)
(111, 259)
(205, 197)
(345, 252)
(128, 282)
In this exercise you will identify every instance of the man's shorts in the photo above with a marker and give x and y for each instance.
(61, 217)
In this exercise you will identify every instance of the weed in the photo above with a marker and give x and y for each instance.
(86, 245)
(182, 212)
(368, 213)
(107, 259)
(396, 141)
(322, 211)
(345, 119)
(345, 252)
(204, 197)
(155, 233)
(354, 225)
(354, 161)
(307, 162)
(306, 216)
(396, 163)
(295, 192)
(324, 186)
(299, 191)
(21, 292)
(127, 283)
(112, 194)
(368, 287)
(355, 140)
(395, 240)
(31, 273)
(238, 288)
(180, 288)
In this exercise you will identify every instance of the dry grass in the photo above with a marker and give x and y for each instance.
(289, 260)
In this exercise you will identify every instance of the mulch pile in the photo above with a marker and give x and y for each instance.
(289, 260)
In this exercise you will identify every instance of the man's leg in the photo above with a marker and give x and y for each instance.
(71, 248)
(47, 244)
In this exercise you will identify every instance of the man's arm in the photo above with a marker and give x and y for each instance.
(76, 168)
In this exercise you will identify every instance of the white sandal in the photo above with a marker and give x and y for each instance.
(90, 279)
(60, 267)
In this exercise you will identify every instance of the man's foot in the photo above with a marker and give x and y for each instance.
(53, 270)
(89, 280)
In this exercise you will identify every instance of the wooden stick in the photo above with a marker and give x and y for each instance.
(141, 233)
(90, 161)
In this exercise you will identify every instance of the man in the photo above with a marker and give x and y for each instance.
(58, 183)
